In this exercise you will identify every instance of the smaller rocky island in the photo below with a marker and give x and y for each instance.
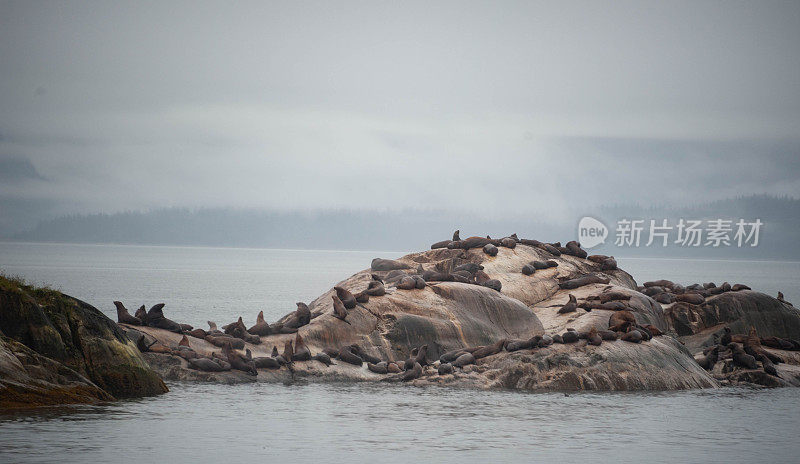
(55, 349)
(480, 313)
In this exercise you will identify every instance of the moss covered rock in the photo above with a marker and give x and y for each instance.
(78, 336)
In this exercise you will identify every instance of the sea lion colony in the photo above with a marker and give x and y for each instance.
(388, 276)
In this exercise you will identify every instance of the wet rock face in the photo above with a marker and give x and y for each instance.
(739, 310)
(28, 379)
(77, 336)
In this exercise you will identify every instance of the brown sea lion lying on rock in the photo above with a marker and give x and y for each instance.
(380, 264)
(583, 280)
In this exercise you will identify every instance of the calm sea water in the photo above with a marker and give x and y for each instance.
(365, 422)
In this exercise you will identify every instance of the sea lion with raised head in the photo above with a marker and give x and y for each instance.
(261, 328)
(124, 317)
(301, 351)
(141, 314)
(708, 360)
(339, 311)
(741, 358)
(155, 318)
(348, 299)
(570, 307)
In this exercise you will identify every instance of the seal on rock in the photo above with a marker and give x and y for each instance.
(490, 249)
(570, 307)
(346, 297)
(261, 328)
(124, 317)
(339, 311)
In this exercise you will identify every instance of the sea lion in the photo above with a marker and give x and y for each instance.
(464, 360)
(358, 351)
(339, 311)
(654, 331)
(155, 318)
(660, 283)
(442, 244)
(261, 328)
(583, 280)
(570, 307)
(726, 336)
(545, 341)
(421, 355)
(608, 335)
(198, 333)
(348, 299)
(472, 268)
(407, 283)
(349, 357)
(569, 336)
(605, 297)
(665, 298)
(380, 264)
(741, 358)
(451, 356)
(379, 368)
(528, 269)
(593, 338)
(419, 282)
(539, 265)
(574, 249)
(393, 368)
(621, 320)
(184, 341)
(266, 362)
(739, 287)
(375, 288)
(516, 345)
(490, 249)
(124, 317)
(456, 236)
(609, 264)
(324, 358)
(445, 368)
(507, 242)
(238, 362)
(212, 328)
(141, 314)
(362, 297)
(633, 336)
(411, 374)
(301, 351)
(708, 360)
(221, 340)
(204, 364)
(691, 298)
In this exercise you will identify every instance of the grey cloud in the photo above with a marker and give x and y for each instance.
(540, 109)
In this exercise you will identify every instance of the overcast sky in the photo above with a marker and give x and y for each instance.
(508, 107)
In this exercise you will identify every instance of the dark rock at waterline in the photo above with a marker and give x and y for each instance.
(76, 336)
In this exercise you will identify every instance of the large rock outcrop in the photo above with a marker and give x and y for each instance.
(63, 341)
(451, 315)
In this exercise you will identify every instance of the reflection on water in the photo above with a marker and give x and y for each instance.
(391, 423)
